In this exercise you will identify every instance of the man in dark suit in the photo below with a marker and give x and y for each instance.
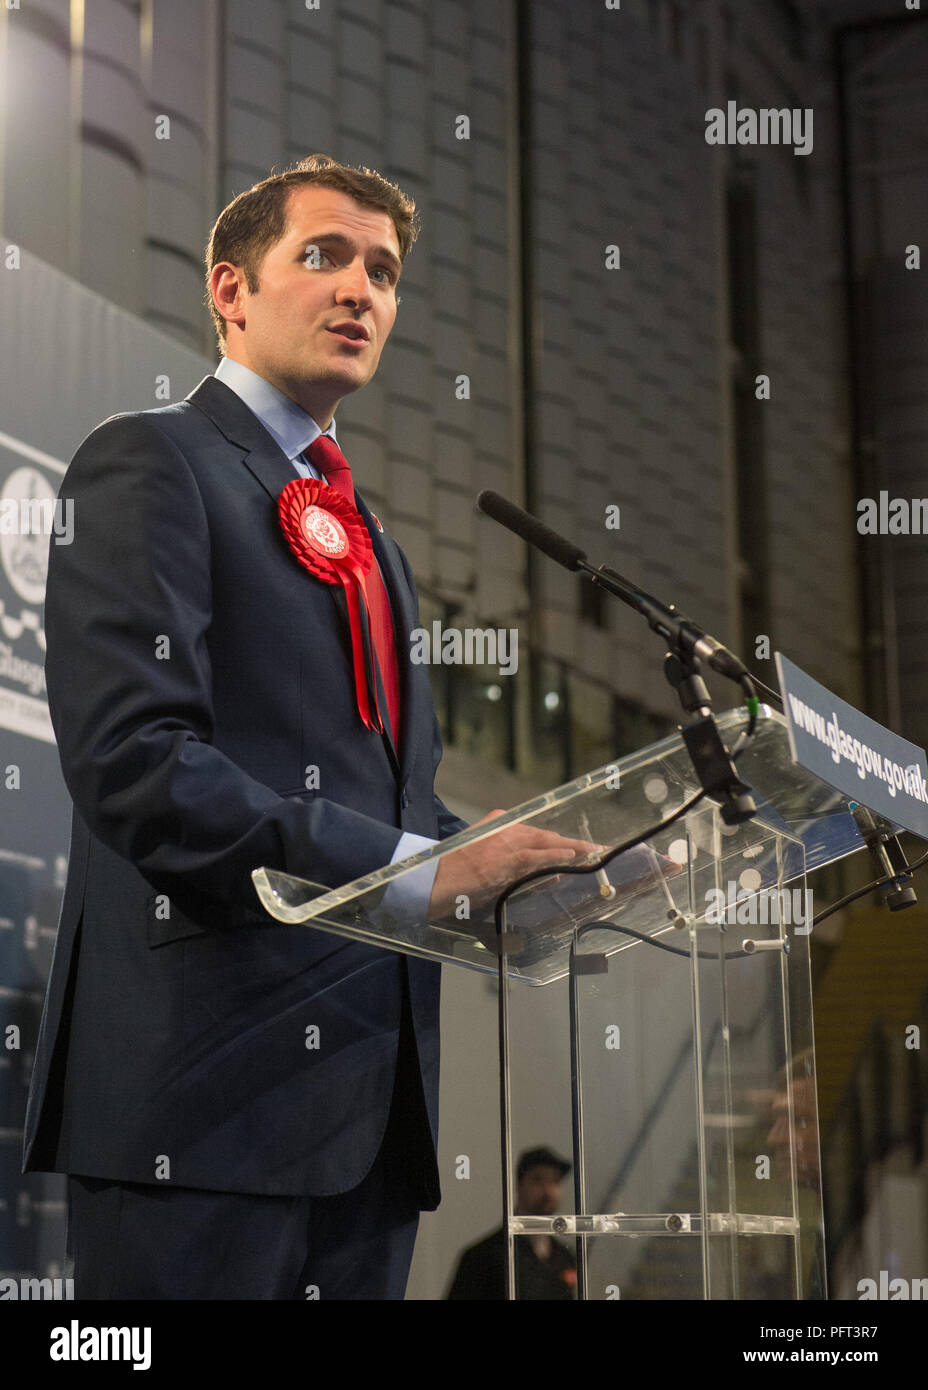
(246, 1110)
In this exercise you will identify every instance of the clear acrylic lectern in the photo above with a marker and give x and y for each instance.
(667, 1043)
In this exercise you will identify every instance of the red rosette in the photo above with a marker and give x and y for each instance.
(329, 538)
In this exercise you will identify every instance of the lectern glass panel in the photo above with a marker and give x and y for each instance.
(669, 1050)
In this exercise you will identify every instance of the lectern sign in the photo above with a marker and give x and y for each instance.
(852, 752)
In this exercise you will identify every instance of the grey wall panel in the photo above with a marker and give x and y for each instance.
(262, 25)
(254, 75)
(405, 33)
(175, 216)
(111, 228)
(310, 62)
(180, 31)
(181, 158)
(112, 101)
(175, 305)
(112, 27)
(310, 124)
(360, 45)
(449, 25)
(255, 137)
(38, 136)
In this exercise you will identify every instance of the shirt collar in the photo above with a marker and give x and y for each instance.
(292, 428)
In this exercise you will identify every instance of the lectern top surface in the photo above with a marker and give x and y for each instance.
(801, 824)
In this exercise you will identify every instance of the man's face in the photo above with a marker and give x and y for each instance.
(539, 1191)
(336, 267)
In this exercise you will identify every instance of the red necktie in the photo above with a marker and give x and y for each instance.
(325, 455)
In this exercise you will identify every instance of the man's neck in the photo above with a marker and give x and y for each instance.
(322, 412)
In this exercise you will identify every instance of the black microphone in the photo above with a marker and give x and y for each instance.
(531, 529)
(688, 644)
(666, 621)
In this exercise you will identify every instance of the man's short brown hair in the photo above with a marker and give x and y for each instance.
(256, 220)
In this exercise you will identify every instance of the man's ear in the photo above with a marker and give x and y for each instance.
(227, 286)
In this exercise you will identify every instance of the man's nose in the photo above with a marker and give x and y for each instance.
(354, 285)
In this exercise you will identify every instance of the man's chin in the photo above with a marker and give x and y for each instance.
(347, 381)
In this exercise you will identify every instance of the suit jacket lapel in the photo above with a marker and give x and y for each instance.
(404, 619)
(262, 455)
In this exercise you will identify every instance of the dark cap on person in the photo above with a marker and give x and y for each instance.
(540, 1158)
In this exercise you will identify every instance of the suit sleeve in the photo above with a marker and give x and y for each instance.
(128, 608)
(448, 823)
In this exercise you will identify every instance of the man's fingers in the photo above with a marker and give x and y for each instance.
(530, 835)
(528, 860)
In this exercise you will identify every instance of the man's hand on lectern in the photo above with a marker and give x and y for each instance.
(481, 871)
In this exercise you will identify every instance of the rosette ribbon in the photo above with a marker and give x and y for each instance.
(328, 537)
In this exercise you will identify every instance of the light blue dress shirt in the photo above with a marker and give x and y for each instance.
(294, 431)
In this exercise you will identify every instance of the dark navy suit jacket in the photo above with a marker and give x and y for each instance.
(195, 670)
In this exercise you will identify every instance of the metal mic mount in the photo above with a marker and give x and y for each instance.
(713, 763)
(887, 855)
(690, 646)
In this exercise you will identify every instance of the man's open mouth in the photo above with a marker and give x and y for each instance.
(353, 331)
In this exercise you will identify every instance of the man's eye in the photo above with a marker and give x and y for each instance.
(387, 275)
(313, 257)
